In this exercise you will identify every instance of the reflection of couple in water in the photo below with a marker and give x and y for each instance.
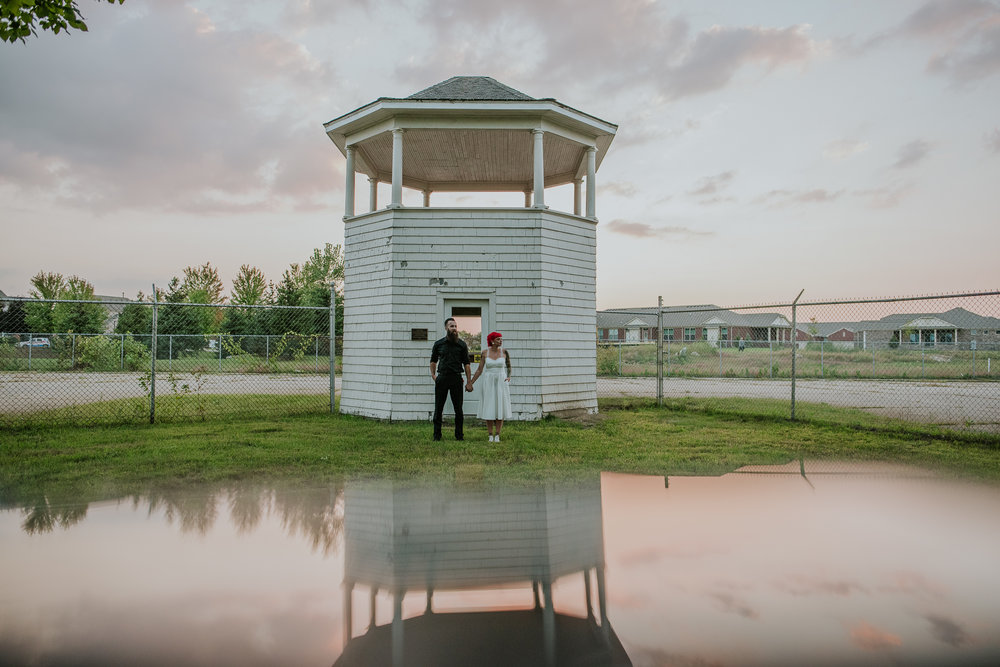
(449, 358)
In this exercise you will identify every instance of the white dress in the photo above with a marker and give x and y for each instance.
(494, 399)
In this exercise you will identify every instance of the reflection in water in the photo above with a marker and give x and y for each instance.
(788, 565)
(404, 539)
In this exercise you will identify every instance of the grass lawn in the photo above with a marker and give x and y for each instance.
(687, 437)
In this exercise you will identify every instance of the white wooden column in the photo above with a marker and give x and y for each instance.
(591, 182)
(577, 195)
(397, 168)
(348, 612)
(372, 194)
(349, 185)
(539, 168)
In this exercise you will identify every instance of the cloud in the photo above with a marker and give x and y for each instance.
(642, 230)
(782, 198)
(912, 583)
(620, 188)
(732, 605)
(868, 637)
(606, 47)
(884, 197)
(711, 185)
(967, 34)
(992, 141)
(807, 586)
(844, 148)
(715, 55)
(195, 119)
(948, 631)
(911, 154)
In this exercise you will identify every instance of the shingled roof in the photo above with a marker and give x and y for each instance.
(467, 88)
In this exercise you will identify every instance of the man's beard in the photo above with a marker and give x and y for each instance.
(452, 336)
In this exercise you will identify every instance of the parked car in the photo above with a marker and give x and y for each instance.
(35, 342)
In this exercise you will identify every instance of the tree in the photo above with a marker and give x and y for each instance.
(135, 318)
(38, 316)
(250, 287)
(202, 285)
(78, 317)
(176, 322)
(309, 285)
(12, 317)
(248, 325)
(204, 278)
(18, 18)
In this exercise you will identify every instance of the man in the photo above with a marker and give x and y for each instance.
(452, 355)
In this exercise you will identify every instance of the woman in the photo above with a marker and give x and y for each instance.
(494, 400)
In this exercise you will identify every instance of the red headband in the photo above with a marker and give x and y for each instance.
(489, 339)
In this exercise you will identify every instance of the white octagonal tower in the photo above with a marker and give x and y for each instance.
(528, 272)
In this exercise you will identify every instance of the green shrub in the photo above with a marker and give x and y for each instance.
(104, 353)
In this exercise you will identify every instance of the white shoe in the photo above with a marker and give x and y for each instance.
(491, 438)
(496, 438)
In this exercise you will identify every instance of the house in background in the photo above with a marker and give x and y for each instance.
(954, 327)
(690, 324)
(840, 334)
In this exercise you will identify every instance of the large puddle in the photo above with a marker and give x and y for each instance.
(844, 565)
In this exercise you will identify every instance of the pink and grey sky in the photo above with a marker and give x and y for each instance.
(849, 148)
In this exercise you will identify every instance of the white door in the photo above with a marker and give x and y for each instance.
(473, 319)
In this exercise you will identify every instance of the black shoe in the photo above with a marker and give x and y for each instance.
(437, 438)
(459, 437)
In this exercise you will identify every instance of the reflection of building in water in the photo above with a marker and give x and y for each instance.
(402, 539)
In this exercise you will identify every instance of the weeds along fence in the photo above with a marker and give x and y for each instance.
(933, 359)
(163, 361)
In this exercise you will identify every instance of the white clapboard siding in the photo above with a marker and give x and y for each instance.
(536, 268)
(400, 538)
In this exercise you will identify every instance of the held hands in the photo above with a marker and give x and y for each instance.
(468, 386)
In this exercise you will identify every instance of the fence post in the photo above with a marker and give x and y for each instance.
(619, 357)
(170, 352)
(333, 345)
(659, 351)
(720, 357)
(152, 365)
(72, 353)
(123, 351)
(31, 338)
(822, 369)
(220, 351)
(795, 347)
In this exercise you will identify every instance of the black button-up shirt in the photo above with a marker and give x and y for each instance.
(451, 358)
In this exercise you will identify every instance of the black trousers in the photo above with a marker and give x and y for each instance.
(449, 384)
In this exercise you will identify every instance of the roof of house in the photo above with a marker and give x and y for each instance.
(958, 318)
(826, 329)
(686, 316)
(468, 88)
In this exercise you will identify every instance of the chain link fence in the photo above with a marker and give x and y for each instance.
(933, 359)
(162, 361)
